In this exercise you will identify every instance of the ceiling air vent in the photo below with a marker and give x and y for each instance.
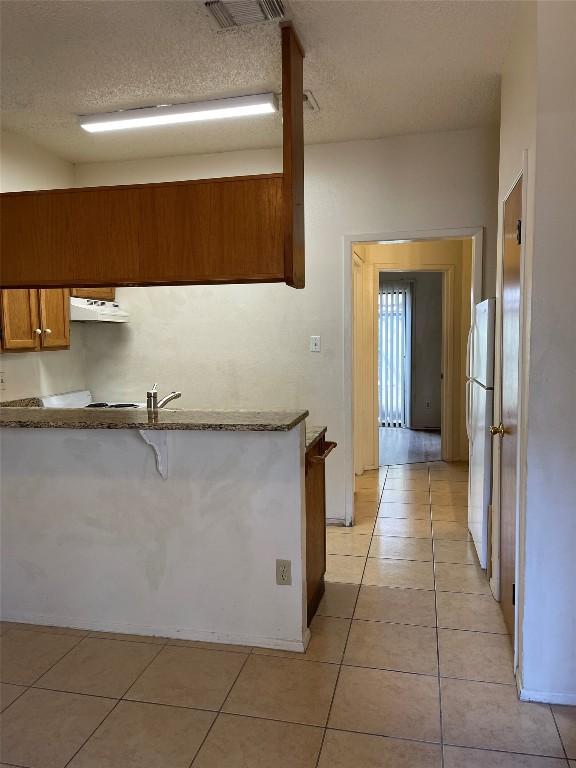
(237, 13)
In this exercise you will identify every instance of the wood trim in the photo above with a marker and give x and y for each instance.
(151, 185)
(329, 447)
(315, 479)
(450, 425)
(293, 155)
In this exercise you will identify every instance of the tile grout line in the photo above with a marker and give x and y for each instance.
(36, 679)
(341, 664)
(441, 723)
(559, 735)
(87, 739)
(33, 685)
(25, 689)
(121, 698)
(222, 705)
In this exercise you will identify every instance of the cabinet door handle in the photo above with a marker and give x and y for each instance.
(47, 331)
(37, 331)
(329, 448)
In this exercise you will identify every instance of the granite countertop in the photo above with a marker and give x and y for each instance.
(313, 434)
(141, 418)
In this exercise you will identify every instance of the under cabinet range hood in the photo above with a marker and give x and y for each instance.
(86, 310)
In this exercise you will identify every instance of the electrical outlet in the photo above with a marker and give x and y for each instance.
(284, 573)
(315, 344)
(2, 381)
(428, 404)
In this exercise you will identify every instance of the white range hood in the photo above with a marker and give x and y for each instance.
(86, 310)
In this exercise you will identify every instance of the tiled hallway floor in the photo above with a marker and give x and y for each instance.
(408, 667)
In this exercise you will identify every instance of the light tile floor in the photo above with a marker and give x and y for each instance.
(409, 666)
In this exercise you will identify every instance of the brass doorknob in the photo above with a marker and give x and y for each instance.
(499, 430)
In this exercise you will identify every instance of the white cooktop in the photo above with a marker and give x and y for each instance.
(78, 399)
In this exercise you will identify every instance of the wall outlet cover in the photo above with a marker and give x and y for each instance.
(284, 573)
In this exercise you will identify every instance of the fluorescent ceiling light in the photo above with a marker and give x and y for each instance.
(218, 109)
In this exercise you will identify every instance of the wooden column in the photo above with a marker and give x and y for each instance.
(293, 155)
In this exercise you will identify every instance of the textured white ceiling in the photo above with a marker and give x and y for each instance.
(377, 68)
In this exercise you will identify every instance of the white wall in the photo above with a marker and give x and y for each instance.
(517, 155)
(24, 166)
(538, 135)
(549, 639)
(247, 346)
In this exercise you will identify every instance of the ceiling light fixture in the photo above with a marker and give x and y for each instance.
(144, 117)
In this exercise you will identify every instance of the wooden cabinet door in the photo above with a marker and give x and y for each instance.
(102, 294)
(54, 317)
(20, 321)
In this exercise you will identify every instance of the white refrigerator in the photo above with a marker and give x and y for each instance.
(479, 410)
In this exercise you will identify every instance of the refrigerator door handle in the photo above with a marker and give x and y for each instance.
(468, 425)
(468, 361)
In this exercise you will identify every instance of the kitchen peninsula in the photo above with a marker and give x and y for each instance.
(164, 522)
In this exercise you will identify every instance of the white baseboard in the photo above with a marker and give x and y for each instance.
(174, 633)
(548, 697)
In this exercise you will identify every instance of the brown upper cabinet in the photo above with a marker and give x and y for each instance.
(242, 229)
(102, 294)
(34, 320)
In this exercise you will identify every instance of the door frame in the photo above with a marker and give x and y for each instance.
(523, 371)
(476, 234)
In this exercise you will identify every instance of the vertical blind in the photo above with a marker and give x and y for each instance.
(394, 310)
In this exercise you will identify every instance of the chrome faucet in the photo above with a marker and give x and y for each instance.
(152, 402)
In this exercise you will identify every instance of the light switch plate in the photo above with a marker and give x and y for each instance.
(315, 344)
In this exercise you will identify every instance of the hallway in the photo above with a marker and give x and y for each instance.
(426, 656)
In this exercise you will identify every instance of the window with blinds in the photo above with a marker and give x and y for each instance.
(394, 316)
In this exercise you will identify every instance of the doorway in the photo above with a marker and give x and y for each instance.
(409, 366)
(458, 260)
